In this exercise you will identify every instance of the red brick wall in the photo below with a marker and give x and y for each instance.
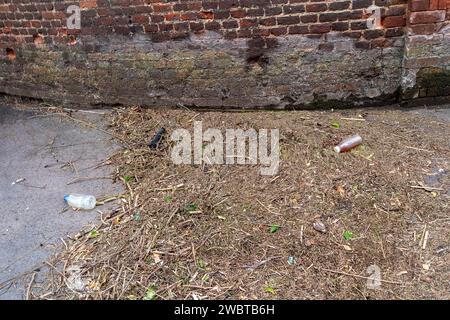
(21, 20)
(226, 53)
(427, 49)
(428, 16)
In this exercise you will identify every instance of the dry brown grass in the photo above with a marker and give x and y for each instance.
(225, 249)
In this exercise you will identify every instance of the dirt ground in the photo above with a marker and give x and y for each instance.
(227, 232)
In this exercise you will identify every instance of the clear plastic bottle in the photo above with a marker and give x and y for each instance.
(80, 201)
(348, 144)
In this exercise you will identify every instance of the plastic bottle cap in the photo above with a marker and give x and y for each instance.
(337, 149)
(66, 197)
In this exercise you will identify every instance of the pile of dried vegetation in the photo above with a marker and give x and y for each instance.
(227, 232)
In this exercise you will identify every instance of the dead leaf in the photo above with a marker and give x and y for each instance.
(156, 258)
(341, 191)
(116, 221)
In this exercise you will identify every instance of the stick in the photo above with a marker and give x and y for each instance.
(193, 254)
(422, 236)
(427, 188)
(358, 276)
(301, 235)
(259, 264)
(87, 179)
(425, 240)
(220, 202)
(36, 187)
(354, 119)
(85, 111)
(267, 208)
(29, 286)
(170, 188)
(157, 232)
(418, 149)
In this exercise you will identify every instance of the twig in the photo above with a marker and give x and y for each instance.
(260, 263)
(426, 188)
(152, 243)
(45, 295)
(36, 187)
(358, 276)
(76, 180)
(170, 188)
(301, 234)
(267, 208)
(84, 111)
(33, 276)
(354, 119)
(418, 149)
(169, 287)
(422, 236)
(107, 199)
(220, 202)
(425, 240)
(193, 253)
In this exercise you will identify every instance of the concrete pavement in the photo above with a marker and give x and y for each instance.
(48, 151)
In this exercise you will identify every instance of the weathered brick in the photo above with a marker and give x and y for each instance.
(373, 34)
(339, 5)
(293, 9)
(419, 5)
(265, 24)
(394, 32)
(298, 30)
(361, 4)
(278, 31)
(424, 17)
(88, 4)
(394, 21)
(340, 26)
(309, 18)
(438, 4)
(424, 29)
(316, 7)
(320, 28)
(288, 20)
(248, 23)
(328, 17)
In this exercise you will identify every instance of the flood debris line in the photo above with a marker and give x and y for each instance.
(316, 230)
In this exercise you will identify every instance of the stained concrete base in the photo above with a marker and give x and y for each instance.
(40, 148)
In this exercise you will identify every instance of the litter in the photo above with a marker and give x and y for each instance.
(157, 138)
(319, 226)
(348, 144)
(18, 181)
(74, 280)
(80, 201)
(291, 260)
